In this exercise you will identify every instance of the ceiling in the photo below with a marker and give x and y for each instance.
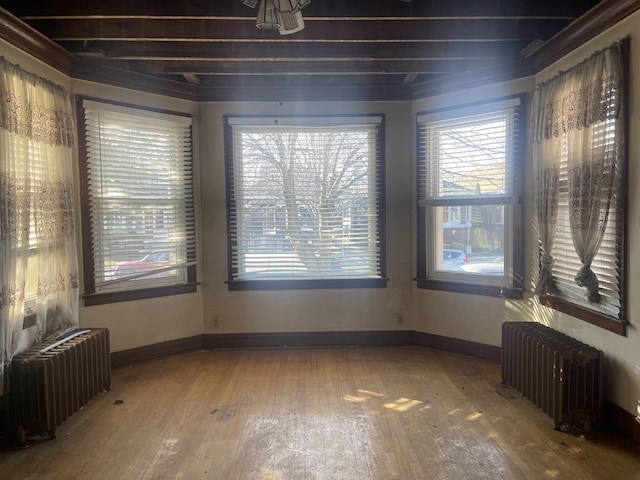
(391, 45)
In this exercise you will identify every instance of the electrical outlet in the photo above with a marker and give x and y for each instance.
(215, 321)
(399, 319)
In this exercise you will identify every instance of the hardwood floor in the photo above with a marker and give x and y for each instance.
(361, 413)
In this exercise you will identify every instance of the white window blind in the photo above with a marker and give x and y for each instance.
(139, 177)
(305, 198)
(30, 163)
(469, 159)
(607, 264)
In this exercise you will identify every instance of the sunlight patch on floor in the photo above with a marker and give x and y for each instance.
(575, 450)
(363, 396)
(474, 416)
(353, 398)
(402, 404)
(269, 474)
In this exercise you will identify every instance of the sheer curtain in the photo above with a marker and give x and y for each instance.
(547, 154)
(574, 120)
(38, 257)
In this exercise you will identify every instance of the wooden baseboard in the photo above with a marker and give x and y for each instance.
(156, 350)
(622, 421)
(456, 345)
(307, 339)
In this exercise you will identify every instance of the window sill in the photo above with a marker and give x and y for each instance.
(129, 295)
(486, 290)
(307, 284)
(611, 324)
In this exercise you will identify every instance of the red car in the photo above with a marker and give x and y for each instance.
(148, 263)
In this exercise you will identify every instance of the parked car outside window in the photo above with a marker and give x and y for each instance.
(453, 259)
(489, 267)
(148, 263)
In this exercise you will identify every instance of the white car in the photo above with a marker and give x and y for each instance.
(485, 268)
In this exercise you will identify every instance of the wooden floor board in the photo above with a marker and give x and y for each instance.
(317, 414)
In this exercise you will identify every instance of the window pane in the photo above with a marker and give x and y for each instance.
(469, 156)
(471, 241)
(31, 284)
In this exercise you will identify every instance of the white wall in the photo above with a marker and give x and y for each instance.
(305, 310)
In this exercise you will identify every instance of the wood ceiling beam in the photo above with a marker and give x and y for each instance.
(343, 8)
(315, 30)
(392, 80)
(293, 50)
(278, 67)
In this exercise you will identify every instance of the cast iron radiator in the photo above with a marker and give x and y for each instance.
(562, 376)
(54, 379)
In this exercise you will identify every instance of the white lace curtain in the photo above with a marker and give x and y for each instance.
(38, 257)
(573, 121)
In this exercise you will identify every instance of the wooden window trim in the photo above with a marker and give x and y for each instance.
(90, 297)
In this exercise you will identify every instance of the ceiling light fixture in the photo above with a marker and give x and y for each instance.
(282, 15)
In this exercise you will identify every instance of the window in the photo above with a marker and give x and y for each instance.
(578, 140)
(469, 187)
(305, 202)
(138, 202)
